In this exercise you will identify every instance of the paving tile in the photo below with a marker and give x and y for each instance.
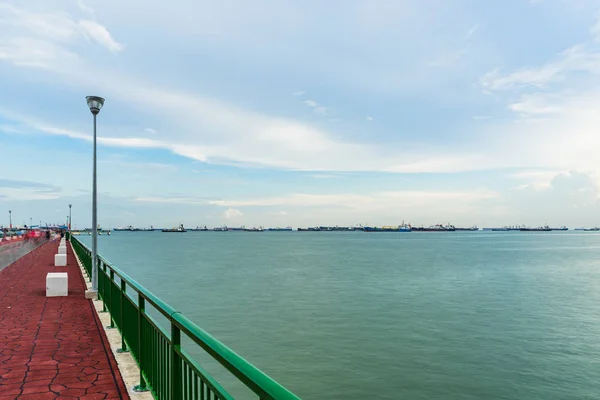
(51, 348)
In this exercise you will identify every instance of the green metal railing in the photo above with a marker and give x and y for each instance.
(166, 369)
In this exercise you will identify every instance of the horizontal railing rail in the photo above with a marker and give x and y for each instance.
(166, 369)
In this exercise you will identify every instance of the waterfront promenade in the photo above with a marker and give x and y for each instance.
(52, 348)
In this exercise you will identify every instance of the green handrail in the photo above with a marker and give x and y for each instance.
(166, 369)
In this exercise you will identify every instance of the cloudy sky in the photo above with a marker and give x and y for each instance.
(302, 112)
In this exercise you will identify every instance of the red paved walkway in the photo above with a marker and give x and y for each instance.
(52, 348)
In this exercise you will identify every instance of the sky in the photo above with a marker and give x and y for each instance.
(302, 112)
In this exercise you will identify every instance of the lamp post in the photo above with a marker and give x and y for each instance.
(95, 104)
(70, 217)
(10, 219)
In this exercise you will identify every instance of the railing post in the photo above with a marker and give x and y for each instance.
(110, 303)
(123, 348)
(104, 287)
(142, 387)
(175, 362)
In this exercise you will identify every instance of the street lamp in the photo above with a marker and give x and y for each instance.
(70, 217)
(95, 104)
(10, 219)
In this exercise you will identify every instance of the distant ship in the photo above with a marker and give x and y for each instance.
(473, 228)
(560, 228)
(220, 229)
(126, 229)
(198, 229)
(435, 228)
(588, 229)
(544, 228)
(180, 228)
(278, 229)
(132, 229)
(259, 229)
(99, 230)
(399, 228)
(335, 228)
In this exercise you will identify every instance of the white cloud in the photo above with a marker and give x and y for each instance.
(101, 35)
(146, 166)
(150, 130)
(369, 118)
(42, 38)
(534, 179)
(220, 132)
(578, 58)
(536, 104)
(85, 8)
(248, 138)
(233, 214)
(471, 31)
(24, 194)
(380, 200)
(204, 128)
(317, 109)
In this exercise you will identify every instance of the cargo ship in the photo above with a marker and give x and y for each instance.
(180, 228)
(198, 229)
(335, 228)
(435, 228)
(588, 229)
(471, 229)
(132, 229)
(560, 228)
(259, 229)
(126, 229)
(544, 228)
(399, 228)
(220, 229)
(278, 229)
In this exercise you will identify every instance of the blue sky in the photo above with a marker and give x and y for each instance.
(302, 112)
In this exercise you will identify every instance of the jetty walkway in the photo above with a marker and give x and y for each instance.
(52, 347)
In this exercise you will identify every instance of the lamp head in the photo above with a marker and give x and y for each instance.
(95, 103)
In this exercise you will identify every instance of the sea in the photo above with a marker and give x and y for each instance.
(354, 315)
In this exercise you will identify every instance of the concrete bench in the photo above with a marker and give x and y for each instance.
(57, 284)
(62, 249)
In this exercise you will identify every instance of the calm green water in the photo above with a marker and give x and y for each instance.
(386, 315)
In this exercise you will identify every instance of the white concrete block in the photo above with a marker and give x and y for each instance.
(62, 249)
(57, 284)
(60, 260)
